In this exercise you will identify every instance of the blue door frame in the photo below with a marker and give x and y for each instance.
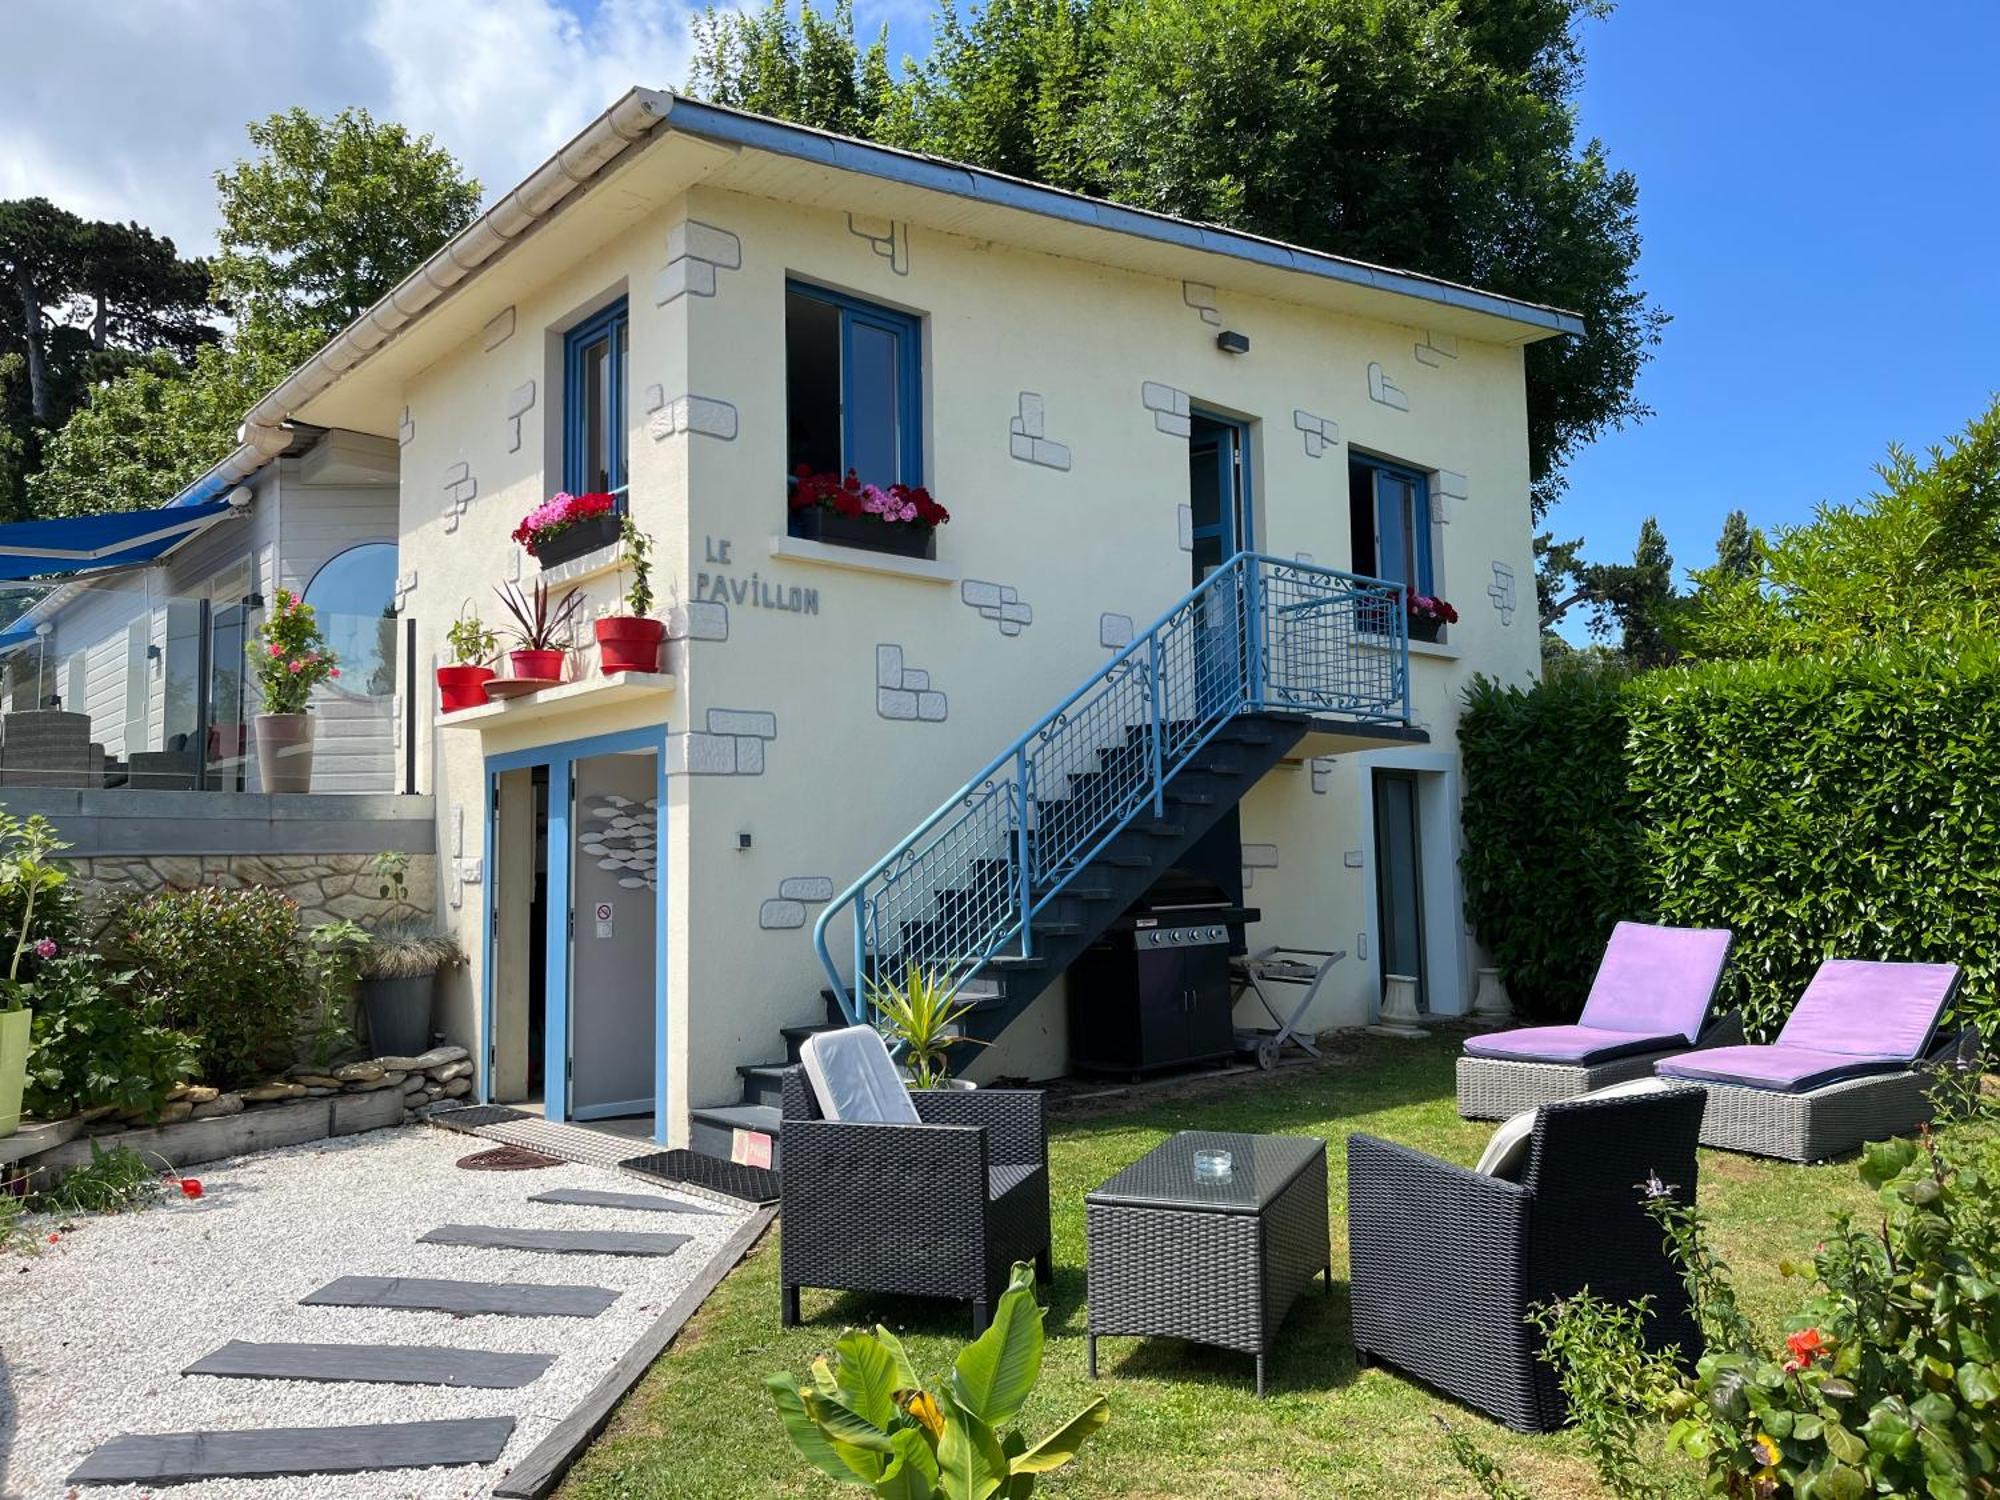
(1238, 430)
(560, 759)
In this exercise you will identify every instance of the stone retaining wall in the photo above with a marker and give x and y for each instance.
(326, 886)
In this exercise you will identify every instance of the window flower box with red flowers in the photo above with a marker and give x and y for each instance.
(564, 527)
(900, 519)
(1429, 616)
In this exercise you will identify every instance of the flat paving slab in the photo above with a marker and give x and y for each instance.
(645, 1202)
(390, 1364)
(277, 1452)
(516, 1299)
(556, 1241)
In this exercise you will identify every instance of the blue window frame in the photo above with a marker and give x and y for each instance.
(594, 369)
(853, 386)
(1389, 513)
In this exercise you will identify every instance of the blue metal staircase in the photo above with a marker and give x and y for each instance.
(1025, 865)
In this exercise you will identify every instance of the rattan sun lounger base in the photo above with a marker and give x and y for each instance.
(1491, 1088)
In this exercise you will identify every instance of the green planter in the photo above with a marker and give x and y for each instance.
(15, 1026)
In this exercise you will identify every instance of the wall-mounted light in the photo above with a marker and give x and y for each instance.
(742, 842)
(1229, 341)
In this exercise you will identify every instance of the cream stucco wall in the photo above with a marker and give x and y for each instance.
(829, 783)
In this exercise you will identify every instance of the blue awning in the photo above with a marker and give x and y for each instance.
(120, 539)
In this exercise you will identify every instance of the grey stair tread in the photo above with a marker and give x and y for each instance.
(390, 1364)
(649, 1202)
(278, 1452)
(431, 1294)
(556, 1241)
(765, 1117)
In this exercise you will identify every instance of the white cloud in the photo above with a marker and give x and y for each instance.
(122, 110)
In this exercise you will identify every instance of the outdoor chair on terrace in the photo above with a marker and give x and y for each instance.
(915, 1192)
(1649, 1000)
(1445, 1263)
(1853, 1063)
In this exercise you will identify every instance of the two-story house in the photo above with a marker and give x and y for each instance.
(1149, 638)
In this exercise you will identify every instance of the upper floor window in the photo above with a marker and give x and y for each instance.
(594, 369)
(853, 387)
(1389, 513)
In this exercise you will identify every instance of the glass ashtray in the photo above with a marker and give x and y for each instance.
(1214, 1166)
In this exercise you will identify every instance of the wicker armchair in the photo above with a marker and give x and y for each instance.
(1446, 1263)
(940, 1209)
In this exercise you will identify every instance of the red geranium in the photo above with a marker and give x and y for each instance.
(557, 514)
(846, 495)
(1806, 1346)
(1429, 607)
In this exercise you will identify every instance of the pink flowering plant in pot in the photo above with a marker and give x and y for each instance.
(290, 659)
(565, 526)
(840, 508)
(1429, 615)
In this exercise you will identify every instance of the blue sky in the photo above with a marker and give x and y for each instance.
(1817, 199)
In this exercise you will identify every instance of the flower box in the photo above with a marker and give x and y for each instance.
(1426, 628)
(864, 532)
(574, 540)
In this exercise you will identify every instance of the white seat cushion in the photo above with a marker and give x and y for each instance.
(1507, 1152)
(854, 1079)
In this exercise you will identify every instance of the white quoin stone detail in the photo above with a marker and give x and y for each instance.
(1381, 388)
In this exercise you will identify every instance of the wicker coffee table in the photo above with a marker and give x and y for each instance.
(1211, 1261)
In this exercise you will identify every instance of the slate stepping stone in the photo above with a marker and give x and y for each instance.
(389, 1364)
(649, 1202)
(466, 1298)
(556, 1241)
(281, 1452)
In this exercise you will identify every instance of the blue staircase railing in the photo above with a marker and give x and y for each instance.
(1257, 635)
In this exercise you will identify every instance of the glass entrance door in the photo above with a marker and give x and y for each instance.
(1218, 491)
(1399, 882)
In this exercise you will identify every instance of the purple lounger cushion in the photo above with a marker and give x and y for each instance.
(1651, 994)
(1855, 1018)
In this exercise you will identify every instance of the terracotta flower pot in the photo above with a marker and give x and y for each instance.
(629, 643)
(285, 752)
(545, 665)
(15, 1027)
(463, 687)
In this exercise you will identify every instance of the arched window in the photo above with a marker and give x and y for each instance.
(354, 597)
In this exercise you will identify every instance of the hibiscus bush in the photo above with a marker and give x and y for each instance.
(291, 656)
(846, 495)
(1886, 1381)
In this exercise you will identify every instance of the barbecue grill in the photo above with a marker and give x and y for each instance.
(1154, 991)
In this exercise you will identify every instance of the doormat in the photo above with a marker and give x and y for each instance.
(473, 1116)
(507, 1159)
(746, 1184)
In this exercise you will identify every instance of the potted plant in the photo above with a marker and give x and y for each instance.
(902, 519)
(28, 873)
(564, 527)
(543, 633)
(292, 659)
(472, 645)
(918, 1020)
(631, 642)
(399, 970)
(1429, 616)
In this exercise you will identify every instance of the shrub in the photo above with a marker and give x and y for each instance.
(226, 965)
(1827, 808)
(1885, 1382)
(1817, 807)
(1552, 848)
(96, 1042)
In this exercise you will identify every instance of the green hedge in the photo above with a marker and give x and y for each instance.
(1819, 808)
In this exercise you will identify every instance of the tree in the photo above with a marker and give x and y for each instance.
(330, 216)
(1435, 135)
(1737, 548)
(1919, 558)
(1637, 599)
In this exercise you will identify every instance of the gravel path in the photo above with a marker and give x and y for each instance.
(96, 1328)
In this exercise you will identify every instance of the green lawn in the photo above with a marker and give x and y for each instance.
(1184, 1420)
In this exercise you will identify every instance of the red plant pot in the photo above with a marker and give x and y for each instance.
(544, 666)
(463, 687)
(629, 643)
